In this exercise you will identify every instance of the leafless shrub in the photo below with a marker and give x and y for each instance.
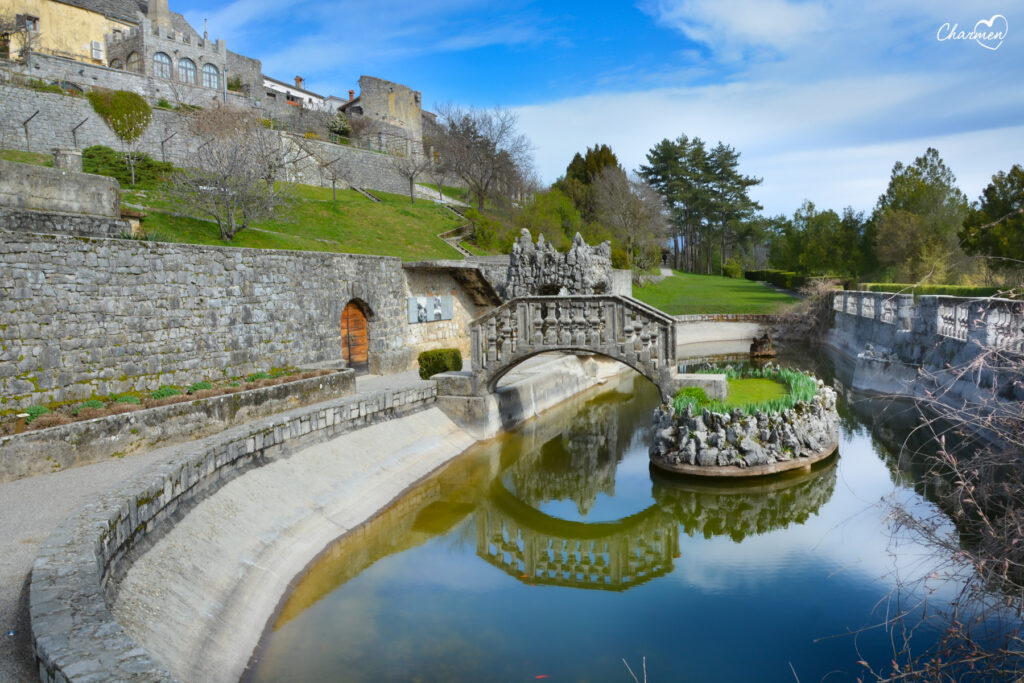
(979, 485)
(50, 420)
(810, 318)
(238, 173)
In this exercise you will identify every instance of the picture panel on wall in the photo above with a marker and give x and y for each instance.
(425, 309)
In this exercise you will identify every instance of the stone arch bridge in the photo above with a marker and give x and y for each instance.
(617, 327)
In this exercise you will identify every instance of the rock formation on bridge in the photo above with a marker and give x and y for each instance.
(542, 270)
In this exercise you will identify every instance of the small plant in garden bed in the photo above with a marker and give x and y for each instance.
(258, 375)
(91, 403)
(125, 398)
(199, 386)
(768, 390)
(165, 391)
(34, 412)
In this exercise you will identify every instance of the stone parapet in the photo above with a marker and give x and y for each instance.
(75, 637)
(60, 223)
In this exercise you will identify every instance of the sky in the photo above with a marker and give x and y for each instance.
(820, 98)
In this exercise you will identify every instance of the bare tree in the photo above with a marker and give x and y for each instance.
(410, 165)
(634, 214)
(19, 36)
(237, 177)
(484, 149)
(332, 162)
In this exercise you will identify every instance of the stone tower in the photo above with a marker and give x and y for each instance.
(159, 13)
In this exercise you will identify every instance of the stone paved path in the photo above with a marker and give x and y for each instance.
(30, 508)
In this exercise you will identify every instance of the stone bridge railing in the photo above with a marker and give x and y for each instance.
(991, 323)
(618, 327)
(612, 556)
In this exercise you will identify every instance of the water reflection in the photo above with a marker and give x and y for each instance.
(555, 550)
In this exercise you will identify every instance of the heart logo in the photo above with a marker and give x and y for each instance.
(992, 32)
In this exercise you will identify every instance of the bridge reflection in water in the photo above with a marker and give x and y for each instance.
(495, 500)
(536, 548)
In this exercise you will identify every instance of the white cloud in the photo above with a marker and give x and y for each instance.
(720, 23)
(833, 141)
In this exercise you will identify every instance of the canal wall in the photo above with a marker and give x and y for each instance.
(243, 511)
(907, 347)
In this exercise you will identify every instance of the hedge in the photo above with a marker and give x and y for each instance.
(439, 360)
(924, 290)
(785, 279)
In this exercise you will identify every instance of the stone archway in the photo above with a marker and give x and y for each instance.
(355, 337)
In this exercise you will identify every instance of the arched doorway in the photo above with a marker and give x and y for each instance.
(353, 337)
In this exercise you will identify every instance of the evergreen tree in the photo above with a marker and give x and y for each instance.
(994, 226)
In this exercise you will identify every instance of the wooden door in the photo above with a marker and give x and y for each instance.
(353, 337)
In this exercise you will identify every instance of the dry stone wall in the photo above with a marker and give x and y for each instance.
(54, 119)
(83, 316)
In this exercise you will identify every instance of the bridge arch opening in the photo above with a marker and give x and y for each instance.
(496, 382)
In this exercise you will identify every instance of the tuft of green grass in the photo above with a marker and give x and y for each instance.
(257, 375)
(752, 390)
(690, 294)
(199, 386)
(126, 398)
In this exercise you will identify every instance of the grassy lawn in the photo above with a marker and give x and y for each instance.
(459, 193)
(35, 158)
(687, 294)
(353, 224)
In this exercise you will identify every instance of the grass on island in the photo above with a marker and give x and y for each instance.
(689, 294)
(34, 158)
(352, 224)
(752, 390)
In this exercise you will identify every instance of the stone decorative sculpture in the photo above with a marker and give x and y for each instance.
(540, 269)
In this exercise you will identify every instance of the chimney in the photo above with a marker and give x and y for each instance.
(300, 82)
(159, 13)
(351, 95)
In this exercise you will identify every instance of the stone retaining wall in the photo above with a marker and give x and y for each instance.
(29, 221)
(80, 443)
(85, 316)
(74, 634)
(893, 336)
(56, 117)
(27, 186)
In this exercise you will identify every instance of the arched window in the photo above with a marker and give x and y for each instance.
(135, 63)
(211, 76)
(187, 71)
(116, 64)
(161, 65)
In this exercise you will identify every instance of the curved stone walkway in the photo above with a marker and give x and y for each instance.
(30, 508)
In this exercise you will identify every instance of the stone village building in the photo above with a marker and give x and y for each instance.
(146, 48)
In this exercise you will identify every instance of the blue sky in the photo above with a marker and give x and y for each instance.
(820, 98)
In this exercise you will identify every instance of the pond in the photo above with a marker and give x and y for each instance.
(554, 552)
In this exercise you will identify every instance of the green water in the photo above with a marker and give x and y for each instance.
(554, 552)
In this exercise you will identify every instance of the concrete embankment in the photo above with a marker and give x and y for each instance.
(174, 574)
